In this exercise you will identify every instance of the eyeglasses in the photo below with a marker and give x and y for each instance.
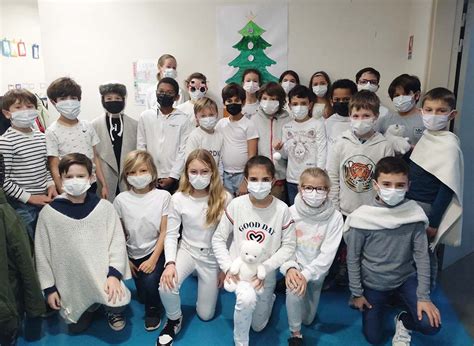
(371, 81)
(201, 89)
(318, 189)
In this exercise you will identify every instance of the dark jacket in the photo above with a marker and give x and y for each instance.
(20, 291)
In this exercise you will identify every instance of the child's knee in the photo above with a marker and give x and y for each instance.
(166, 291)
(374, 337)
(424, 326)
(205, 314)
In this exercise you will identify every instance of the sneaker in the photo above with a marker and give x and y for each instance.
(82, 324)
(116, 320)
(152, 319)
(169, 332)
(402, 335)
(295, 341)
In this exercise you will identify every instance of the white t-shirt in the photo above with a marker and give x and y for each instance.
(141, 216)
(305, 146)
(80, 138)
(235, 149)
(412, 125)
(336, 125)
(250, 109)
(318, 110)
(212, 142)
(190, 212)
(188, 109)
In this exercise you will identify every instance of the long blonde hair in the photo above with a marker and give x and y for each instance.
(133, 160)
(217, 194)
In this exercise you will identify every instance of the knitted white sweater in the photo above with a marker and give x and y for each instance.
(75, 255)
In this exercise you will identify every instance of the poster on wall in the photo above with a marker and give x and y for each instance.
(144, 78)
(252, 36)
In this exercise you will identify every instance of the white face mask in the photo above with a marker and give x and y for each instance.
(76, 186)
(208, 123)
(391, 196)
(287, 86)
(269, 106)
(139, 181)
(70, 109)
(200, 182)
(197, 94)
(404, 103)
(435, 122)
(362, 127)
(313, 198)
(251, 87)
(259, 189)
(170, 73)
(320, 90)
(300, 112)
(25, 118)
(368, 86)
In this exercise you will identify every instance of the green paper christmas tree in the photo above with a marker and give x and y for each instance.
(251, 48)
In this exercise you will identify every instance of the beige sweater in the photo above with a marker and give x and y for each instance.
(75, 255)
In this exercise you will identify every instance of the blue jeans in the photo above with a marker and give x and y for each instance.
(147, 284)
(292, 190)
(372, 319)
(28, 213)
(232, 182)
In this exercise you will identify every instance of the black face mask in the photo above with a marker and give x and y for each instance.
(113, 107)
(341, 108)
(234, 108)
(165, 100)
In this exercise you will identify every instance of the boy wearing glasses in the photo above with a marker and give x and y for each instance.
(163, 133)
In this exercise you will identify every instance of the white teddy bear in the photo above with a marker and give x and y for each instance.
(394, 135)
(247, 266)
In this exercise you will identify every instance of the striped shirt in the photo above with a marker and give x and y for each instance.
(25, 160)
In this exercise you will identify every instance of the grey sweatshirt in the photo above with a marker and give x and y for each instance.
(384, 259)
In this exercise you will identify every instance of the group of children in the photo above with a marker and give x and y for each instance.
(310, 173)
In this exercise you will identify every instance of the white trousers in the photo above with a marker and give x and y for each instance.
(303, 309)
(252, 309)
(188, 260)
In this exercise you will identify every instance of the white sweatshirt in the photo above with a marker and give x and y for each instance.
(305, 146)
(188, 109)
(318, 234)
(164, 137)
(190, 213)
(351, 167)
(272, 227)
(335, 126)
(270, 130)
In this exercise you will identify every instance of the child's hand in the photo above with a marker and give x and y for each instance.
(431, 232)
(431, 311)
(301, 290)
(220, 279)
(54, 301)
(104, 193)
(293, 279)
(169, 278)
(133, 268)
(257, 283)
(113, 289)
(277, 145)
(148, 266)
(231, 278)
(52, 192)
(360, 303)
(165, 182)
(39, 200)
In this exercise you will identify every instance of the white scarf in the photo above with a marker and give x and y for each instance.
(439, 153)
(321, 213)
(376, 218)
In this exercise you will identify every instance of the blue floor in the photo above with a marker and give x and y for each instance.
(336, 324)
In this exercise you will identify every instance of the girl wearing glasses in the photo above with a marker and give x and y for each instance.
(318, 234)
(196, 84)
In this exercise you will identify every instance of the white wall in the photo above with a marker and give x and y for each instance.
(96, 41)
(19, 19)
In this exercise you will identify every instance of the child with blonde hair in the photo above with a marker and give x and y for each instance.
(197, 208)
(143, 210)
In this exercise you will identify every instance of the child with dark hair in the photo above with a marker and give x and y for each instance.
(196, 84)
(387, 254)
(288, 80)
(404, 91)
(368, 78)
(263, 218)
(163, 133)
(28, 183)
(437, 172)
(80, 252)
(117, 133)
(320, 83)
(240, 139)
(251, 82)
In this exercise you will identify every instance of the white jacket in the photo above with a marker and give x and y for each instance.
(351, 167)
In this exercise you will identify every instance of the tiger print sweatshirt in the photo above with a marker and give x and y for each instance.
(351, 165)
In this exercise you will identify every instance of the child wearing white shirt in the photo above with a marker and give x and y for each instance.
(251, 82)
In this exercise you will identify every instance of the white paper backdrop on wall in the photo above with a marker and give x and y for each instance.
(144, 77)
(251, 36)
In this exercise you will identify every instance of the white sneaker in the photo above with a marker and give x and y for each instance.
(402, 335)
